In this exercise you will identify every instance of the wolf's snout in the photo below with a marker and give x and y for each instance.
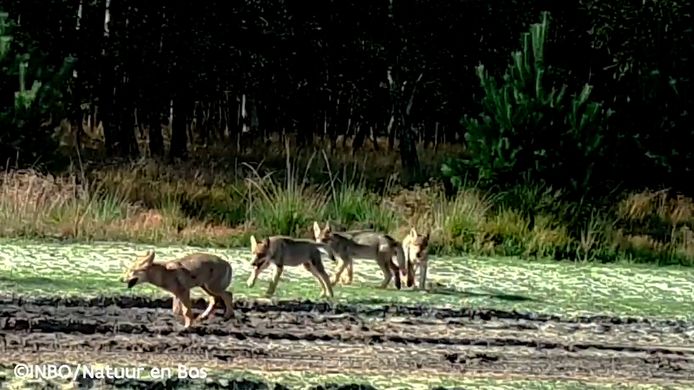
(132, 282)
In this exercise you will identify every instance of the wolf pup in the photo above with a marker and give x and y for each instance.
(416, 248)
(286, 251)
(209, 272)
(365, 244)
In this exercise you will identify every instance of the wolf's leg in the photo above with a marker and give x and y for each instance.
(218, 287)
(340, 264)
(410, 274)
(341, 268)
(347, 279)
(275, 280)
(386, 258)
(310, 268)
(188, 317)
(176, 307)
(394, 269)
(318, 269)
(424, 267)
(228, 299)
(209, 311)
(387, 275)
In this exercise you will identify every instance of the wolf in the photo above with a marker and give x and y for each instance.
(365, 244)
(416, 248)
(287, 251)
(209, 272)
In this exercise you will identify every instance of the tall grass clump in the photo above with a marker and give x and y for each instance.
(532, 220)
(44, 206)
(655, 227)
(458, 223)
(285, 207)
(36, 204)
(593, 237)
(518, 222)
(218, 198)
(549, 238)
(647, 227)
(532, 199)
(353, 205)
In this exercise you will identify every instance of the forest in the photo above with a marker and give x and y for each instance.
(524, 127)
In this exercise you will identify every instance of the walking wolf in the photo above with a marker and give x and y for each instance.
(364, 244)
(209, 272)
(416, 247)
(286, 251)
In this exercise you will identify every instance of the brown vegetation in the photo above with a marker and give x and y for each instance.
(153, 202)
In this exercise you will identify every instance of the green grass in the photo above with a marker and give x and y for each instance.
(284, 206)
(40, 268)
(295, 380)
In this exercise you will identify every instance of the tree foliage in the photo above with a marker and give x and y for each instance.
(405, 70)
(532, 127)
(31, 93)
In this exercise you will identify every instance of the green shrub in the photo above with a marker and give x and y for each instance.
(23, 136)
(352, 205)
(219, 205)
(530, 127)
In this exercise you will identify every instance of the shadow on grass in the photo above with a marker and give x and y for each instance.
(498, 295)
(438, 290)
(355, 295)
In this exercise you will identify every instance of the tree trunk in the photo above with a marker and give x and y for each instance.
(200, 123)
(106, 109)
(391, 133)
(179, 135)
(126, 120)
(155, 122)
(408, 152)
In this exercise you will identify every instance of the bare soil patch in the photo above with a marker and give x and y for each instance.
(320, 338)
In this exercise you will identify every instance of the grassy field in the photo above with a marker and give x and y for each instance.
(40, 268)
(59, 269)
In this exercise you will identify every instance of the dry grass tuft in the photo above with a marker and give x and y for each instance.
(647, 205)
(148, 202)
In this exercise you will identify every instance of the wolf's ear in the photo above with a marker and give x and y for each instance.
(147, 259)
(266, 242)
(254, 244)
(327, 227)
(426, 238)
(413, 232)
(316, 229)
